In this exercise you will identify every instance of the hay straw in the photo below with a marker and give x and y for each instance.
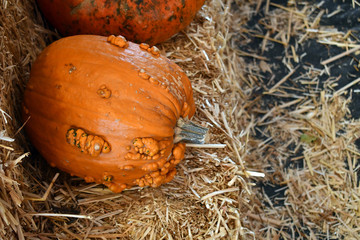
(340, 55)
(21, 39)
(59, 215)
(214, 145)
(46, 194)
(347, 86)
(279, 163)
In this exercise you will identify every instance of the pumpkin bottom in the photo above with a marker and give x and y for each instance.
(153, 179)
(156, 173)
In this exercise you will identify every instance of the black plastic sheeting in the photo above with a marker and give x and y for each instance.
(348, 19)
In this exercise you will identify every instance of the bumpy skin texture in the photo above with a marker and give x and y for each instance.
(93, 114)
(150, 21)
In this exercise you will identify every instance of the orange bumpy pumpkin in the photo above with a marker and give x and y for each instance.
(147, 21)
(110, 111)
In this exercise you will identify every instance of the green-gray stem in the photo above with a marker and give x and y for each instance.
(189, 132)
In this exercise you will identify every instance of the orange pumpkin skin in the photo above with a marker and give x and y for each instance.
(105, 109)
(150, 21)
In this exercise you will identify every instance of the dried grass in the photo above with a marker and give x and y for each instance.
(22, 36)
(302, 142)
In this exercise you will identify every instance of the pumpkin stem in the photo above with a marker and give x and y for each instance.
(189, 132)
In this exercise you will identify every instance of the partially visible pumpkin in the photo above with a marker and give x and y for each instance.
(150, 21)
(109, 111)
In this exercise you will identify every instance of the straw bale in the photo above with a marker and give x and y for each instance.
(22, 37)
(280, 160)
